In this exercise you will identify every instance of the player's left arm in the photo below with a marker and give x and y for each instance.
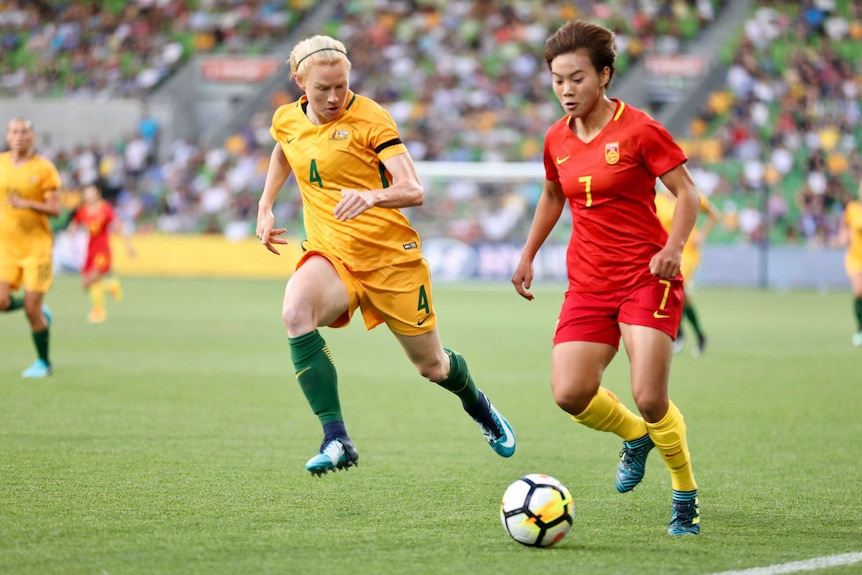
(712, 217)
(49, 206)
(665, 264)
(406, 190)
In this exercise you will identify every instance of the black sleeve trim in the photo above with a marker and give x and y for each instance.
(389, 144)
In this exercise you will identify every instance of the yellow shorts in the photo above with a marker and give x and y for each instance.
(688, 265)
(398, 295)
(852, 265)
(36, 274)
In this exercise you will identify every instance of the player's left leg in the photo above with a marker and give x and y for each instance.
(856, 283)
(690, 314)
(448, 369)
(650, 352)
(39, 318)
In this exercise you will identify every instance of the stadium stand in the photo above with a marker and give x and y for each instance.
(114, 48)
(785, 132)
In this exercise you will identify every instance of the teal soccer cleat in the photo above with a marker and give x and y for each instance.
(335, 454)
(38, 369)
(49, 317)
(685, 517)
(633, 456)
(502, 438)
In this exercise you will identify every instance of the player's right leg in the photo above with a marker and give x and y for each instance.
(856, 283)
(10, 279)
(316, 296)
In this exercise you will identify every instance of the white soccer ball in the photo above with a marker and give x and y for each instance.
(537, 510)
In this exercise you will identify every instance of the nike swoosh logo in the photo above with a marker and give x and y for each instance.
(561, 160)
(299, 373)
(421, 321)
(673, 454)
(289, 140)
(510, 438)
(658, 315)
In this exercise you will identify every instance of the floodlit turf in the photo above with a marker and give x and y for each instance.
(173, 437)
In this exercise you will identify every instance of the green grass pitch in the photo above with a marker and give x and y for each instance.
(173, 437)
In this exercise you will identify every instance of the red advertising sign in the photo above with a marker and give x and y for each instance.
(238, 69)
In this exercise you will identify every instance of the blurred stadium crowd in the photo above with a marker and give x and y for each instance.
(776, 149)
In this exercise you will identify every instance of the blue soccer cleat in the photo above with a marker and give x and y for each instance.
(335, 454)
(685, 517)
(502, 437)
(38, 369)
(49, 317)
(633, 456)
(857, 339)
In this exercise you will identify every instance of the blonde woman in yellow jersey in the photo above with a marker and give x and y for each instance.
(354, 174)
(850, 235)
(665, 204)
(28, 195)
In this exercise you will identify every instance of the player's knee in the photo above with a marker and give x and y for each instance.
(572, 400)
(297, 319)
(434, 370)
(653, 407)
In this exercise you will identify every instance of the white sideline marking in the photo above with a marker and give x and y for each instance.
(797, 566)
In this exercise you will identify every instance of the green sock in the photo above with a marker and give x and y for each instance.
(460, 382)
(316, 374)
(15, 302)
(41, 339)
(857, 305)
(691, 315)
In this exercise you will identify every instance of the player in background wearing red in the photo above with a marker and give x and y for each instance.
(602, 160)
(97, 216)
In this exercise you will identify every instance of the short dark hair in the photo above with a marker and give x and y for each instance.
(576, 35)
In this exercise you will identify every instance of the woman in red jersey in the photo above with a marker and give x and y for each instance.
(98, 217)
(602, 160)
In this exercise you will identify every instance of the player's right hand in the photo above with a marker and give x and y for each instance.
(265, 232)
(522, 278)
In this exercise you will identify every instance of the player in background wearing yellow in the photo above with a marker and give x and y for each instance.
(850, 235)
(28, 196)
(601, 161)
(354, 173)
(665, 203)
(98, 217)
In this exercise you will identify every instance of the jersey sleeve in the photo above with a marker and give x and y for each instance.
(551, 173)
(383, 134)
(660, 152)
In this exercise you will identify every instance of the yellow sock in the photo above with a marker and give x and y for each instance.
(114, 288)
(97, 295)
(669, 438)
(606, 413)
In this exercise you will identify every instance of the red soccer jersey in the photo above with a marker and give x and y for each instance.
(610, 185)
(97, 219)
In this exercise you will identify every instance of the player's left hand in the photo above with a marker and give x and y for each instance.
(665, 264)
(353, 203)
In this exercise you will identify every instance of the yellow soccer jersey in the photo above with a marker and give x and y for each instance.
(347, 153)
(664, 206)
(853, 219)
(25, 233)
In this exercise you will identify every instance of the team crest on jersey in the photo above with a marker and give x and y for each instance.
(612, 153)
(339, 135)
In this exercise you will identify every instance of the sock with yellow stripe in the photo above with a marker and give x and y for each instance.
(97, 296)
(668, 435)
(607, 413)
(315, 372)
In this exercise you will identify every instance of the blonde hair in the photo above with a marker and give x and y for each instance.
(318, 49)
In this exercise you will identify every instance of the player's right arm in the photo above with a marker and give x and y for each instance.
(276, 174)
(548, 210)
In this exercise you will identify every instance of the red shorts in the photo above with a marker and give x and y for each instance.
(97, 262)
(596, 317)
